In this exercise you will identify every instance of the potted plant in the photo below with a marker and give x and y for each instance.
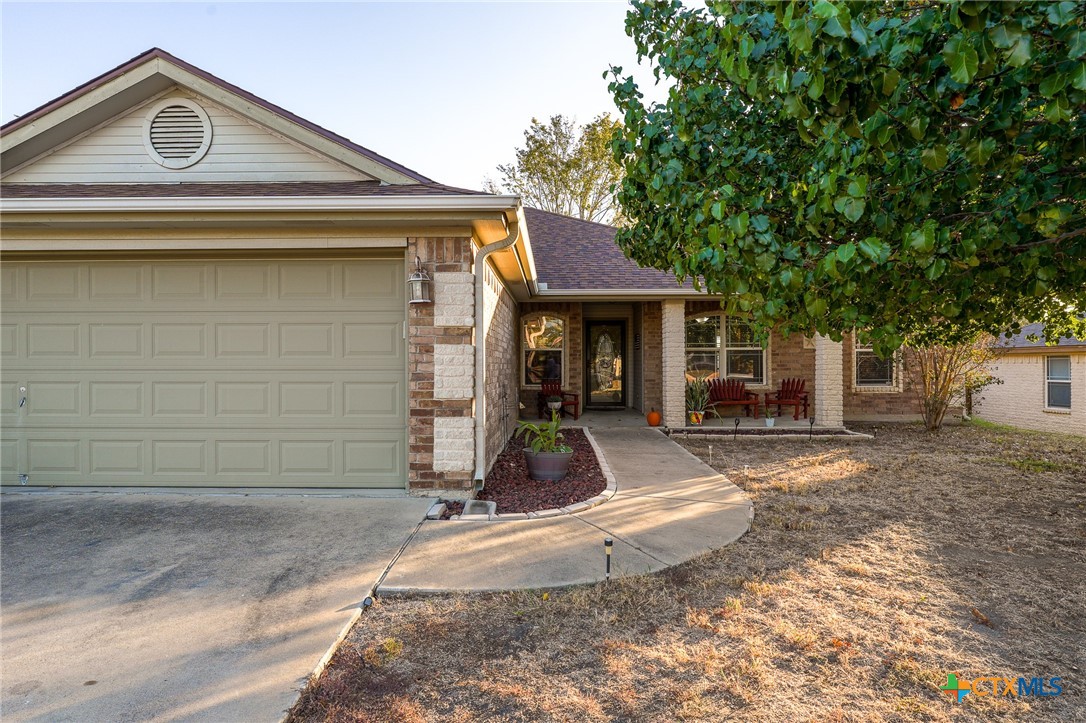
(554, 402)
(697, 399)
(546, 457)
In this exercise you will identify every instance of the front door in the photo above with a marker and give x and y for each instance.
(605, 345)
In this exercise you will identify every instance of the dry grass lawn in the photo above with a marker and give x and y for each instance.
(873, 569)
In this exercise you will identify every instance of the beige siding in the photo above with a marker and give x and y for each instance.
(1020, 400)
(240, 152)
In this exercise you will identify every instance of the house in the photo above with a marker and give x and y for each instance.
(1042, 387)
(200, 288)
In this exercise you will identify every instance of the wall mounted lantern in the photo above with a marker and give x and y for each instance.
(418, 284)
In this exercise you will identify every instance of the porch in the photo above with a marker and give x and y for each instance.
(605, 418)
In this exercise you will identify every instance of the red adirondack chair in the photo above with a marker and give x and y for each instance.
(732, 393)
(791, 394)
(554, 389)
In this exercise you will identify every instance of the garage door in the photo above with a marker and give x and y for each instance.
(196, 373)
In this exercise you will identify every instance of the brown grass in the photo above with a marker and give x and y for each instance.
(873, 569)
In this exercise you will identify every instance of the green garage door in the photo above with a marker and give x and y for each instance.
(204, 373)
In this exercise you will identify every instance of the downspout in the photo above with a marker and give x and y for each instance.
(513, 228)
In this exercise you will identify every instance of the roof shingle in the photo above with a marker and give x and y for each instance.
(575, 255)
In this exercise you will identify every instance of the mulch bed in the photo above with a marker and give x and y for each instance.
(508, 483)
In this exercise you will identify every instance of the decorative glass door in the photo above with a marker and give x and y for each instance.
(605, 373)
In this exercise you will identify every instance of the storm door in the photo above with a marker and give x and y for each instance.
(605, 372)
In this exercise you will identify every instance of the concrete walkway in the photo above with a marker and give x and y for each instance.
(669, 508)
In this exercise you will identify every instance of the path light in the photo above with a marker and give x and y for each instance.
(608, 543)
(736, 431)
(418, 283)
(810, 435)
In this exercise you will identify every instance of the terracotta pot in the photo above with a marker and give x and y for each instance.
(653, 418)
(547, 465)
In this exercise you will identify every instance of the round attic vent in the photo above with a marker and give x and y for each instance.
(177, 133)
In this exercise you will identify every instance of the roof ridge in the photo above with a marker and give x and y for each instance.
(572, 218)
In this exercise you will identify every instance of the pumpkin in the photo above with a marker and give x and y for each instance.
(653, 418)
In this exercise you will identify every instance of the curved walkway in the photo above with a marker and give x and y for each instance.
(669, 507)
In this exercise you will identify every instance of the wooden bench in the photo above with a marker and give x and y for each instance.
(732, 393)
(791, 394)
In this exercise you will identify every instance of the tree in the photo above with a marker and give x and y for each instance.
(941, 375)
(907, 170)
(564, 169)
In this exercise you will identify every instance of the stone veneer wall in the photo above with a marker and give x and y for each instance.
(501, 322)
(574, 372)
(1020, 399)
(441, 369)
(673, 364)
(652, 350)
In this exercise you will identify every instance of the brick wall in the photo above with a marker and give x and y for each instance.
(501, 321)
(439, 413)
(652, 350)
(873, 403)
(1020, 399)
(574, 371)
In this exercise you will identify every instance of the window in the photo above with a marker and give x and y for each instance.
(740, 356)
(544, 349)
(1058, 382)
(871, 371)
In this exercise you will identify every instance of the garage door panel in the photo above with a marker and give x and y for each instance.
(205, 373)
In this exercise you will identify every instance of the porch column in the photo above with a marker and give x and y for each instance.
(673, 331)
(829, 397)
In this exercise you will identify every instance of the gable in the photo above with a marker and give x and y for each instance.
(239, 151)
(102, 101)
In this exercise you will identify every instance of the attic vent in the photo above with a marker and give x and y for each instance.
(177, 133)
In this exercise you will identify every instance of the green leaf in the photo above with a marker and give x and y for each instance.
(1060, 14)
(714, 234)
(890, 80)
(834, 28)
(1052, 85)
(825, 9)
(961, 59)
(1021, 52)
(873, 249)
(846, 252)
(718, 210)
(1078, 45)
(857, 187)
(979, 151)
(738, 224)
(934, 158)
(814, 88)
(923, 240)
(1078, 76)
(1006, 35)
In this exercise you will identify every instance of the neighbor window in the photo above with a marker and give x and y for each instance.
(723, 347)
(1058, 382)
(871, 370)
(544, 343)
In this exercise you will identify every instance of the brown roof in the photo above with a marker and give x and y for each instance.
(154, 53)
(571, 255)
(209, 190)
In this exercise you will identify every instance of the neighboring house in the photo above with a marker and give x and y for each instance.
(1044, 387)
(201, 289)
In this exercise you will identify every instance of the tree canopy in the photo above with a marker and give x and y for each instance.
(566, 169)
(908, 170)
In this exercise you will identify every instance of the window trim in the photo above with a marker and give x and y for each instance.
(722, 349)
(896, 383)
(1068, 381)
(524, 348)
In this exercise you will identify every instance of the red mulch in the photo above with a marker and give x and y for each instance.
(508, 483)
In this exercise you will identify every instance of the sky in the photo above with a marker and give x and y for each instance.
(446, 89)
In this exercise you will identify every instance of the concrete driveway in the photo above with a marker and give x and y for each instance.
(119, 607)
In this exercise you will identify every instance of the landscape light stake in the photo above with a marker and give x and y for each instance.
(608, 543)
(810, 434)
(710, 455)
(735, 432)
